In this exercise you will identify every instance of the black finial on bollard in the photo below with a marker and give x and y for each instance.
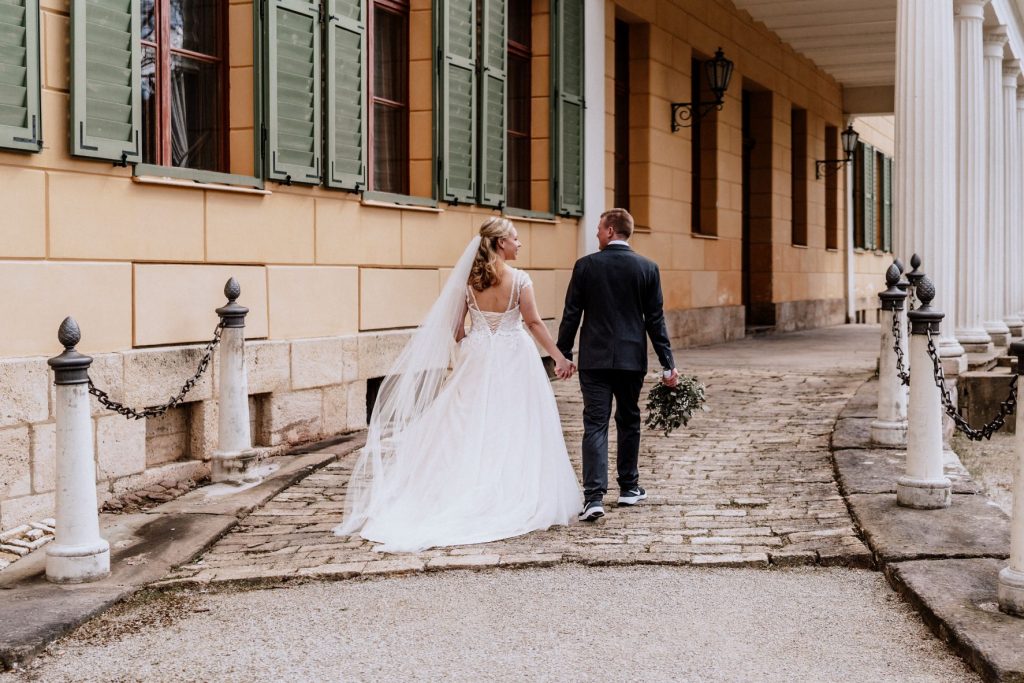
(925, 317)
(232, 314)
(232, 290)
(914, 276)
(915, 261)
(898, 264)
(70, 367)
(892, 298)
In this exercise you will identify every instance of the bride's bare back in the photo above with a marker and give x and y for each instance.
(495, 299)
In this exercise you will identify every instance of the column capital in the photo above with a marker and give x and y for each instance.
(1011, 70)
(995, 39)
(969, 9)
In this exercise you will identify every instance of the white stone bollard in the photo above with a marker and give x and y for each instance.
(78, 553)
(1011, 577)
(890, 427)
(234, 460)
(924, 485)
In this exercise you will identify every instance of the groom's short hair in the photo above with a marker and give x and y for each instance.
(619, 221)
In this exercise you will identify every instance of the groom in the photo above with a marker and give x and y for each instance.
(618, 294)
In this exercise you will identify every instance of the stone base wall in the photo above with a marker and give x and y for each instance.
(702, 326)
(804, 315)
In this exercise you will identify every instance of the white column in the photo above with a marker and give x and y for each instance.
(1011, 197)
(593, 125)
(78, 553)
(1011, 578)
(995, 40)
(926, 150)
(1018, 286)
(970, 165)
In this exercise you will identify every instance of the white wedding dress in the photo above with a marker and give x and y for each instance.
(485, 459)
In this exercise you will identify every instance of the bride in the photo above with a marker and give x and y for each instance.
(477, 454)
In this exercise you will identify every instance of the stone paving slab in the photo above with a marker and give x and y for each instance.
(971, 527)
(876, 471)
(750, 483)
(958, 601)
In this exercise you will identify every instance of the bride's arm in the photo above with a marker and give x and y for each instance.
(460, 326)
(536, 326)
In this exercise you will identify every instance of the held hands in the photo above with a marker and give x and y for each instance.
(670, 380)
(564, 368)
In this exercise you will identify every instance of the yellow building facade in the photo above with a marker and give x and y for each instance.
(334, 279)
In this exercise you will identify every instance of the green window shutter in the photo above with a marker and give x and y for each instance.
(887, 205)
(293, 91)
(493, 124)
(106, 94)
(458, 131)
(567, 48)
(346, 94)
(20, 122)
(869, 197)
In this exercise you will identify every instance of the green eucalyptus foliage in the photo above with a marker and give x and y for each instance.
(668, 408)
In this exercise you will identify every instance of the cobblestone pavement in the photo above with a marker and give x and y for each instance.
(748, 484)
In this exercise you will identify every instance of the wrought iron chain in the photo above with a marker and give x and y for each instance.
(1005, 408)
(156, 411)
(897, 333)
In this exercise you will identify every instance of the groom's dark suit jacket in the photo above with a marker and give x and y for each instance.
(618, 294)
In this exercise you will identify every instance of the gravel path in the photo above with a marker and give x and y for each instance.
(563, 623)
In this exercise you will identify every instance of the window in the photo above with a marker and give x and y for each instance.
(389, 95)
(798, 176)
(621, 114)
(703, 157)
(519, 102)
(872, 199)
(831, 190)
(184, 83)
(20, 126)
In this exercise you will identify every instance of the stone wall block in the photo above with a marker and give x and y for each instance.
(26, 509)
(120, 447)
(152, 376)
(203, 416)
(24, 395)
(336, 409)
(44, 457)
(267, 366)
(293, 417)
(318, 362)
(15, 463)
(357, 405)
(378, 351)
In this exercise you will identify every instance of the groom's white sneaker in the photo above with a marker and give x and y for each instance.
(591, 511)
(632, 496)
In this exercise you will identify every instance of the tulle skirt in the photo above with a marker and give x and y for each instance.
(486, 461)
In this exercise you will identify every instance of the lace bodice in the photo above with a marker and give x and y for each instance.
(509, 321)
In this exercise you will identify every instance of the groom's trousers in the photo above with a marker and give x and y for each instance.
(599, 387)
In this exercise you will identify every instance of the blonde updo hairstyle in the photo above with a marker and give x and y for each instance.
(484, 272)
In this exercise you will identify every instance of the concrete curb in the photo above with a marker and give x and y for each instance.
(144, 548)
(943, 562)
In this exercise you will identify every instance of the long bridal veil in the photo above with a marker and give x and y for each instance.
(410, 387)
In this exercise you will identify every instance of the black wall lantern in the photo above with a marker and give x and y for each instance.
(849, 137)
(719, 72)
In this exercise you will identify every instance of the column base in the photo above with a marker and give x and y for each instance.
(1015, 325)
(235, 468)
(970, 347)
(886, 433)
(1011, 591)
(924, 494)
(999, 333)
(974, 340)
(77, 563)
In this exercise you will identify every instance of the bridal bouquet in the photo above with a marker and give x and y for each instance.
(670, 407)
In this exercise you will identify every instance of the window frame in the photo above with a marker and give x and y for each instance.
(164, 54)
(520, 51)
(401, 8)
(622, 87)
